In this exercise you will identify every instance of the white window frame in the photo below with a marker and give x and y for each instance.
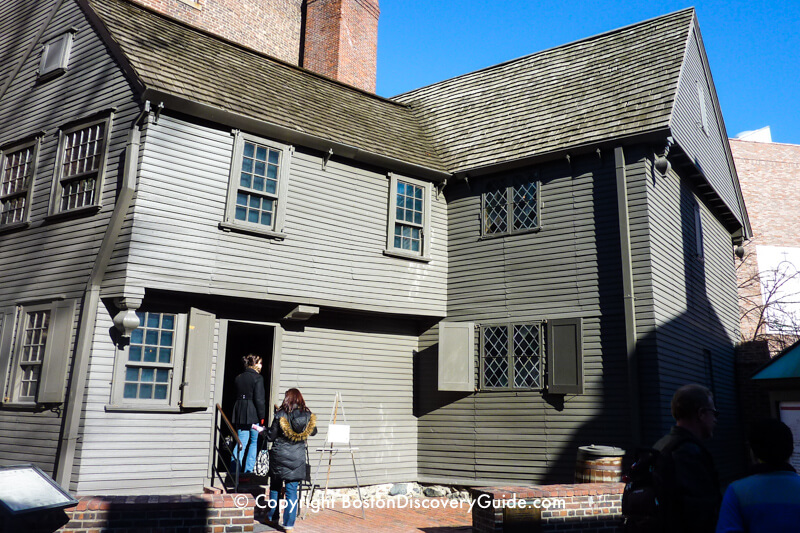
(26, 192)
(56, 52)
(175, 368)
(60, 180)
(230, 223)
(22, 324)
(424, 254)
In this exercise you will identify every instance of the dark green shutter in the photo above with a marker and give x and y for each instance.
(52, 380)
(7, 321)
(457, 356)
(565, 356)
(196, 388)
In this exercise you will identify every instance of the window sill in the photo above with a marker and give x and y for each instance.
(73, 213)
(238, 228)
(8, 228)
(22, 406)
(133, 408)
(407, 255)
(510, 234)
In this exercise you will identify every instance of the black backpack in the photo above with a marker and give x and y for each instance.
(649, 497)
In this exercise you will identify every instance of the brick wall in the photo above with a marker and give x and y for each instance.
(269, 26)
(768, 174)
(589, 508)
(342, 39)
(211, 513)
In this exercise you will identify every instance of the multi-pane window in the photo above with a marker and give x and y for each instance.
(35, 346)
(150, 361)
(81, 160)
(258, 185)
(409, 217)
(34, 342)
(511, 356)
(16, 176)
(511, 208)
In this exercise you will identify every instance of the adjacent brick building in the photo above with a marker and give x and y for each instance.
(768, 173)
(335, 38)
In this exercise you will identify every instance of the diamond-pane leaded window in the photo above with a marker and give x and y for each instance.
(34, 342)
(15, 181)
(495, 211)
(527, 356)
(150, 357)
(495, 357)
(510, 208)
(512, 356)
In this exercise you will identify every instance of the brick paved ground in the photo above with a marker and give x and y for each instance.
(393, 520)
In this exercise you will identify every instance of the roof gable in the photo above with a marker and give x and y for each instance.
(169, 57)
(616, 84)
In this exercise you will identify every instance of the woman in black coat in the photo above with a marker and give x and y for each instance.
(291, 427)
(250, 408)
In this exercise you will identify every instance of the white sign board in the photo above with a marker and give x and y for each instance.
(339, 434)
(25, 488)
(790, 415)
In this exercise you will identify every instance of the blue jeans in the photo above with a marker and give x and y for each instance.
(249, 438)
(290, 510)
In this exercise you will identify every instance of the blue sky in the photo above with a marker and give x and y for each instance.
(753, 46)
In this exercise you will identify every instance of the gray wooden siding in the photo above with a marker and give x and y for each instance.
(137, 452)
(20, 21)
(370, 361)
(55, 258)
(335, 231)
(710, 150)
(568, 269)
(693, 308)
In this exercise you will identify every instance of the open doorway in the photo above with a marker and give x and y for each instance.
(246, 338)
(242, 338)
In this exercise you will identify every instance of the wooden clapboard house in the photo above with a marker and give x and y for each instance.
(492, 270)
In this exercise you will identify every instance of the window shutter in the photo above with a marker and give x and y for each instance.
(56, 356)
(196, 389)
(7, 316)
(457, 356)
(565, 356)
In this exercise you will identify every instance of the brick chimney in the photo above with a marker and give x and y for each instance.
(269, 26)
(341, 40)
(341, 36)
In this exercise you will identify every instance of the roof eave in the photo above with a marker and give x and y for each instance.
(283, 133)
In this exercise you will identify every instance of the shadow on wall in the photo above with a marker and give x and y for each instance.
(692, 347)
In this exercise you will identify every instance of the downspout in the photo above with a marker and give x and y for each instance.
(91, 302)
(627, 290)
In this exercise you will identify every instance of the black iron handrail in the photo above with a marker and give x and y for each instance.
(238, 446)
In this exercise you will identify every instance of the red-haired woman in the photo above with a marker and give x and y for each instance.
(291, 427)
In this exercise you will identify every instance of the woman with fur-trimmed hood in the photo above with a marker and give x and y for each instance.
(291, 427)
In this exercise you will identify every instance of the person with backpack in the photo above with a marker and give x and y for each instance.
(290, 429)
(768, 501)
(674, 487)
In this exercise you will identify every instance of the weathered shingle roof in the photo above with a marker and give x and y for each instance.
(176, 59)
(612, 85)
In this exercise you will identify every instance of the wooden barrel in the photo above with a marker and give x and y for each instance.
(599, 464)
